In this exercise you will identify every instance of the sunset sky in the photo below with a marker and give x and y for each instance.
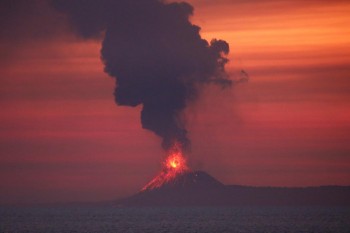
(63, 138)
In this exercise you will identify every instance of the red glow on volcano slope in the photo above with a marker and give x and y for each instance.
(173, 165)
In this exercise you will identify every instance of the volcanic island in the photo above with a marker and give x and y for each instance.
(178, 185)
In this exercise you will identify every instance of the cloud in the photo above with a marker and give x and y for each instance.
(156, 55)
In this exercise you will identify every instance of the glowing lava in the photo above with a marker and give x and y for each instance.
(175, 161)
(173, 165)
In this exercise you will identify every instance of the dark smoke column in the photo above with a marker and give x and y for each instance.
(156, 56)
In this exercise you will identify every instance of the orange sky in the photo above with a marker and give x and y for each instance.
(62, 138)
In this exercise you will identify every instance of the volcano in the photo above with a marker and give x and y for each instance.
(187, 188)
(178, 185)
(198, 188)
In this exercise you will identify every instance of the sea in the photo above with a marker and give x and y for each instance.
(316, 219)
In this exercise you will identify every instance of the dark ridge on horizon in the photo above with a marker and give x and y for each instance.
(200, 189)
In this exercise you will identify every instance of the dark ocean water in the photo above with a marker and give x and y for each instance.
(177, 220)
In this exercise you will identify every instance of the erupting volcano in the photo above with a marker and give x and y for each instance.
(160, 62)
(174, 165)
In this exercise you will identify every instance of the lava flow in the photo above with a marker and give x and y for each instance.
(173, 165)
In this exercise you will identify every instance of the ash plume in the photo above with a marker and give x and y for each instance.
(155, 54)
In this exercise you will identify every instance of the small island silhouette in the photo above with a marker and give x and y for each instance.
(198, 188)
